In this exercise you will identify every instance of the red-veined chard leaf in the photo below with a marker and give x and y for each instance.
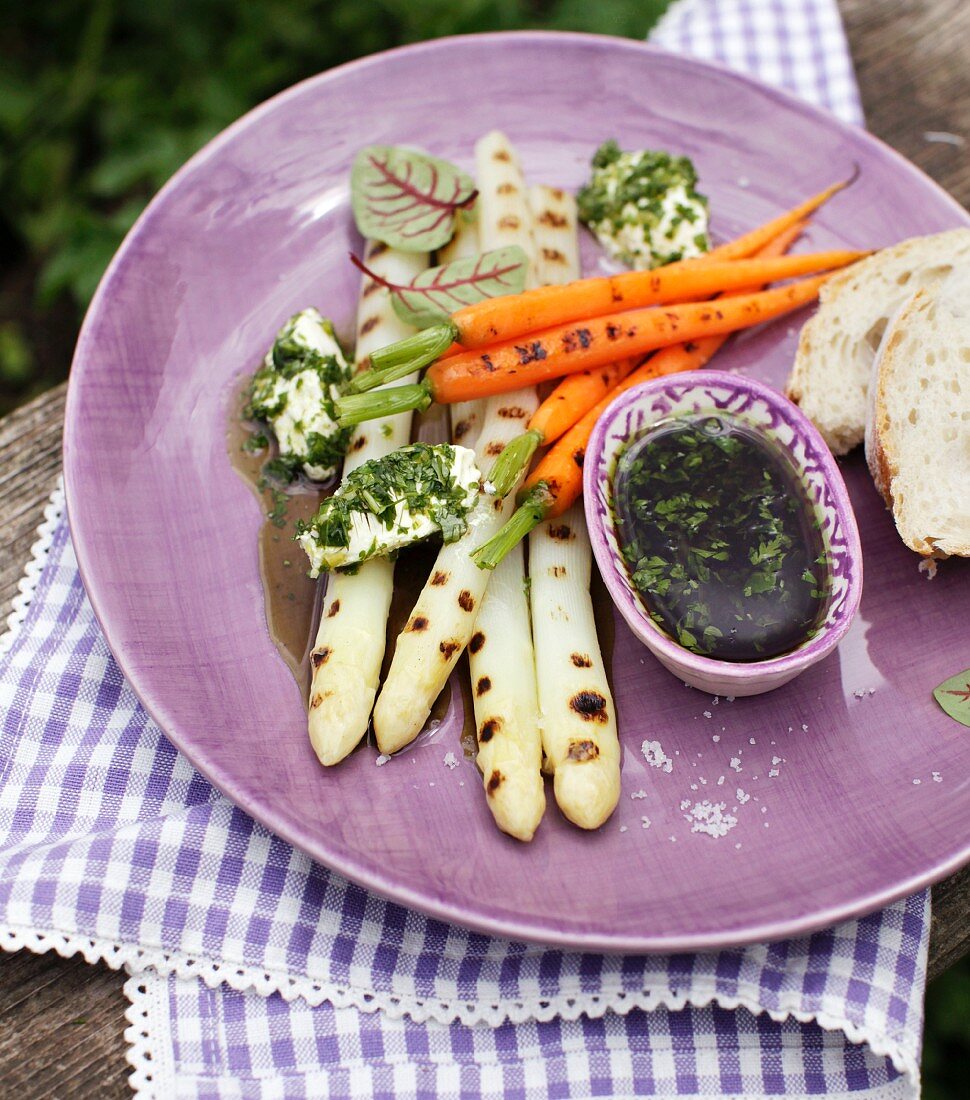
(436, 293)
(406, 199)
(953, 695)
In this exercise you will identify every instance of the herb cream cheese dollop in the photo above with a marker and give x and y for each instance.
(294, 392)
(643, 207)
(392, 502)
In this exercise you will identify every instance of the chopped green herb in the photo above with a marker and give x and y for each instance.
(390, 502)
(643, 206)
(294, 392)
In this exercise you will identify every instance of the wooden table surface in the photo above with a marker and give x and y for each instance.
(61, 1021)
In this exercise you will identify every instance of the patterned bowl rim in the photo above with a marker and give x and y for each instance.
(597, 476)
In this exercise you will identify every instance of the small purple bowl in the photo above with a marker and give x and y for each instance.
(765, 410)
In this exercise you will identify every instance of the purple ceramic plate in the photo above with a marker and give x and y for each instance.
(851, 785)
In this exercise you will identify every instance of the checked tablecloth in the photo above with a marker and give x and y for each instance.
(257, 973)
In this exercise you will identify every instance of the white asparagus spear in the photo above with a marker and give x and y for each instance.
(466, 416)
(349, 646)
(579, 732)
(579, 736)
(441, 623)
(500, 656)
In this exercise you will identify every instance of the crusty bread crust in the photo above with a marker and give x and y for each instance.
(919, 402)
(831, 373)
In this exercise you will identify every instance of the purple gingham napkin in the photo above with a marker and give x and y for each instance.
(257, 973)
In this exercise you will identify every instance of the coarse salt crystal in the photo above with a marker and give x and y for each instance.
(937, 778)
(382, 760)
(751, 741)
(710, 818)
(772, 772)
(776, 760)
(742, 796)
(693, 786)
(804, 727)
(729, 698)
(639, 794)
(720, 780)
(623, 828)
(708, 714)
(716, 738)
(916, 782)
(735, 763)
(450, 761)
(655, 756)
(645, 822)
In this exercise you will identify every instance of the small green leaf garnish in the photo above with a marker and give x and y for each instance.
(953, 695)
(436, 293)
(406, 199)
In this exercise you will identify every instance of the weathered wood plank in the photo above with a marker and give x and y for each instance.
(61, 1021)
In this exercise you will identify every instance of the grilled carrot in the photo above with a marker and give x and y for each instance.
(557, 481)
(586, 345)
(498, 320)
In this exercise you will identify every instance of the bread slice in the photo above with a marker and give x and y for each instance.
(918, 426)
(830, 378)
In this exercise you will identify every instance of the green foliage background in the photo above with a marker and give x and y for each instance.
(102, 100)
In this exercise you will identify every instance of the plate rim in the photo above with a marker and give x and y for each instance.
(436, 907)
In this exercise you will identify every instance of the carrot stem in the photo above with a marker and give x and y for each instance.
(355, 408)
(515, 457)
(404, 357)
(532, 510)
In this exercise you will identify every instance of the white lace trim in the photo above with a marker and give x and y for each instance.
(149, 1048)
(27, 585)
(569, 1007)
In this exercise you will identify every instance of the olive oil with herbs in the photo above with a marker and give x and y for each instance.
(720, 538)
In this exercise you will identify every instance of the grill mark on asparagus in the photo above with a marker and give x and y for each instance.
(581, 660)
(465, 600)
(417, 624)
(562, 532)
(439, 577)
(495, 781)
(490, 728)
(320, 656)
(583, 751)
(449, 648)
(484, 684)
(334, 609)
(478, 640)
(589, 705)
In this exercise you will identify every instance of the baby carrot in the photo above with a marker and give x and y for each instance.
(586, 345)
(557, 481)
(756, 240)
(578, 393)
(497, 320)
(575, 395)
(562, 466)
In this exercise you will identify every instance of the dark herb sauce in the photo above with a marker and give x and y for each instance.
(720, 538)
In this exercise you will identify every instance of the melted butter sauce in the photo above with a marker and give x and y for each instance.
(292, 599)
